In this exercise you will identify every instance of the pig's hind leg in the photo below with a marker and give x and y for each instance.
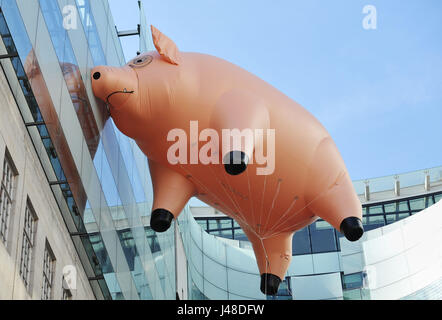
(331, 194)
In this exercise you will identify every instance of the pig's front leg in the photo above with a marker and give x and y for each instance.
(239, 116)
(171, 191)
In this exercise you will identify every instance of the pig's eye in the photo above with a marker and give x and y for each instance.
(141, 61)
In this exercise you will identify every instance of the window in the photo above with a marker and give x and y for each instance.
(6, 196)
(417, 204)
(27, 247)
(375, 209)
(301, 242)
(373, 222)
(238, 234)
(152, 239)
(322, 237)
(48, 273)
(353, 281)
(216, 224)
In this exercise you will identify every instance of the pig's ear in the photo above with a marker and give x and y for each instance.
(165, 47)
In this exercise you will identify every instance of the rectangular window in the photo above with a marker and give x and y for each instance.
(29, 230)
(375, 209)
(390, 207)
(6, 197)
(301, 242)
(373, 222)
(238, 234)
(48, 272)
(216, 224)
(417, 204)
(152, 240)
(403, 206)
(322, 237)
(353, 281)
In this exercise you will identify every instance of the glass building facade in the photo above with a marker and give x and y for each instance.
(98, 176)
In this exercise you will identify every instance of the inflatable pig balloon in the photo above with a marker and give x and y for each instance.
(214, 131)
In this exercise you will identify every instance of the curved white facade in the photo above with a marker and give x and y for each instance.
(400, 260)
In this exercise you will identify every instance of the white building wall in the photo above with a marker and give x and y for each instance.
(404, 257)
(31, 182)
(317, 287)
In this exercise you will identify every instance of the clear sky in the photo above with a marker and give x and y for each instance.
(378, 92)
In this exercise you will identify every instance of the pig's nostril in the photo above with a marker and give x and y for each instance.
(97, 75)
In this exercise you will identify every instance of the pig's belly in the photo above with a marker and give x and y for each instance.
(267, 205)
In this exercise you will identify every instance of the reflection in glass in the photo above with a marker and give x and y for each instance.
(353, 281)
(301, 242)
(71, 73)
(323, 237)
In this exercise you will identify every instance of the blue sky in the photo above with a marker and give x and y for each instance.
(378, 92)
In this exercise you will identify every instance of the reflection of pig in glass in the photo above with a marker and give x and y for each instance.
(50, 117)
(160, 91)
(72, 76)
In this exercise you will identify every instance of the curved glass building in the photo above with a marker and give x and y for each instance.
(398, 257)
(76, 194)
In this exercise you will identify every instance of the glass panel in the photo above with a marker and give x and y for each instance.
(88, 21)
(196, 293)
(69, 67)
(239, 235)
(220, 223)
(391, 207)
(322, 237)
(437, 197)
(223, 233)
(417, 204)
(152, 239)
(215, 273)
(134, 262)
(429, 201)
(352, 281)
(301, 242)
(373, 222)
(396, 217)
(403, 206)
(352, 294)
(375, 209)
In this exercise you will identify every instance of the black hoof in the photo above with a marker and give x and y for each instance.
(269, 284)
(235, 162)
(160, 220)
(352, 228)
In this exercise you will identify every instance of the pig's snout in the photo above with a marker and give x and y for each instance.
(113, 85)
